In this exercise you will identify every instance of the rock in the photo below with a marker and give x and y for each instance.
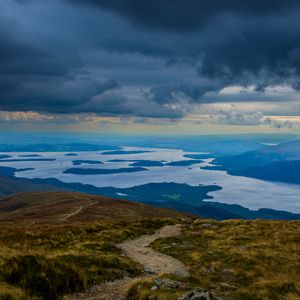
(198, 221)
(243, 248)
(186, 220)
(158, 281)
(209, 270)
(154, 288)
(150, 271)
(182, 273)
(165, 247)
(197, 294)
(169, 284)
(206, 225)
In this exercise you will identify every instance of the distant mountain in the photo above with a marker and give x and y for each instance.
(10, 185)
(55, 147)
(222, 211)
(268, 154)
(273, 163)
(216, 145)
(282, 171)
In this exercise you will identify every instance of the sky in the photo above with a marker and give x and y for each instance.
(133, 66)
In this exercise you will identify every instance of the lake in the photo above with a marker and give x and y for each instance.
(248, 192)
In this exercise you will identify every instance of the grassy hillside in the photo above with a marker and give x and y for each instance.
(45, 254)
(71, 207)
(56, 243)
(237, 260)
(9, 186)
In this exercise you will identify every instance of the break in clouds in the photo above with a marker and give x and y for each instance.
(149, 59)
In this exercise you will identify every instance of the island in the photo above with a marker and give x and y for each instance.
(79, 171)
(123, 152)
(86, 161)
(182, 163)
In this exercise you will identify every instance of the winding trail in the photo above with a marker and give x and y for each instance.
(153, 262)
(77, 211)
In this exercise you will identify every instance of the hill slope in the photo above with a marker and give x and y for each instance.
(56, 207)
(9, 184)
(72, 246)
(236, 260)
(282, 171)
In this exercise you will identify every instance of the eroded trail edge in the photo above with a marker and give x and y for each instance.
(153, 262)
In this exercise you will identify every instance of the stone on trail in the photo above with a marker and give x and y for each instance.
(197, 294)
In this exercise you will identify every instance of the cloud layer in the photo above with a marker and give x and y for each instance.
(157, 59)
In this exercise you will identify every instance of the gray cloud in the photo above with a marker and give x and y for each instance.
(282, 123)
(190, 15)
(234, 117)
(250, 42)
(52, 95)
(137, 58)
(190, 91)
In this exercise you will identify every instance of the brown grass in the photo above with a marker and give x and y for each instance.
(44, 254)
(48, 261)
(238, 260)
(55, 207)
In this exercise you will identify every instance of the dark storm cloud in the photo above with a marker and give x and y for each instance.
(189, 91)
(130, 57)
(57, 95)
(188, 15)
(233, 40)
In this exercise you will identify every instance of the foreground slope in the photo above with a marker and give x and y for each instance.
(231, 260)
(55, 244)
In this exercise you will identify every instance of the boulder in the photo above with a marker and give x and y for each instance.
(181, 273)
(197, 294)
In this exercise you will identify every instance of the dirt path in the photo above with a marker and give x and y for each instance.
(114, 290)
(153, 262)
(77, 211)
